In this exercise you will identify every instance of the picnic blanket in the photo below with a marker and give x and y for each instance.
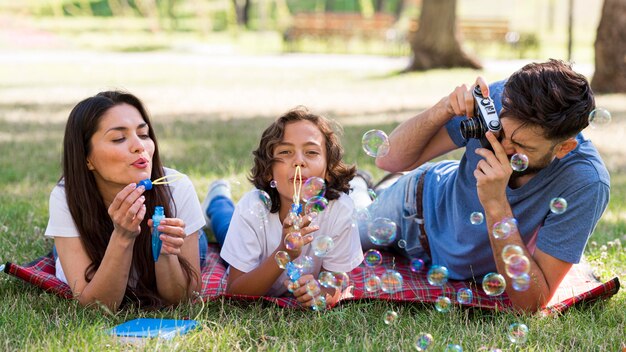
(579, 286)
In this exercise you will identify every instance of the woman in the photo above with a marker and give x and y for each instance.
(100, 217)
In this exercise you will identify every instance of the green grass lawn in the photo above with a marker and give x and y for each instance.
(208, 117)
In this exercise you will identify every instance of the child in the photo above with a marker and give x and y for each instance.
(297, 140)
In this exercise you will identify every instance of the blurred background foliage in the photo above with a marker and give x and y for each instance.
(534, 28)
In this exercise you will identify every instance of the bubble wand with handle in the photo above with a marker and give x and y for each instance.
(160, 181)
(156, 240)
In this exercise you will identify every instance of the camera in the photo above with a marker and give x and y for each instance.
(485, 119)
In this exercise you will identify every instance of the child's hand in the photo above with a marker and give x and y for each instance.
(305, 232)
(304, 298)
(172, 233)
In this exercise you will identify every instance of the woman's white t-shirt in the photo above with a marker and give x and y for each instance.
(61, 224)
(252, 238)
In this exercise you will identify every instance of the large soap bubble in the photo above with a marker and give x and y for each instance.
(599, 117)
(382, 231)
(375, 143)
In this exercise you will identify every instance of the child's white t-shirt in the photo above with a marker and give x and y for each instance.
(61, 224)
(251, 238)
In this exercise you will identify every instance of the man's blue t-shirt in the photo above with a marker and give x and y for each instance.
(450, 197)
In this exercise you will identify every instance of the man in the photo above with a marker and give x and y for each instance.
(542, 108)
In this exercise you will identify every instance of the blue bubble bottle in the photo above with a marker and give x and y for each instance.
(156, 241)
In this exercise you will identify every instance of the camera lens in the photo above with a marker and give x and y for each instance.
(471, 128)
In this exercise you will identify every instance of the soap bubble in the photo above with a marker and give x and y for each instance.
(381, 231)
(342, 280)
(361, 215)
(437, 275)
(315, 205)
(477, 218)
(313, 187)
(519, 162)
(453, 348)
(375, 143)
(518, 333)
(424, 341)
(390, 317)
(417, 265)
(391, 281)
(402, 244)
(304, 263)
(558, 205)
(443, 304)
(322, 245)
(494, 284)
(521, 283)
(293, 240)
(327, 279)
(599, 117)
(517, 265)
(464, 296)
(294, 219)
(372, 283)
(503, 229)
(312, 288)
(372, 258)
(292, 286)
(509, 250)
(261, 205)
(282, 258)
(319, 303)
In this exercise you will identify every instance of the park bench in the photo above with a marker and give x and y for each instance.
(330, 25)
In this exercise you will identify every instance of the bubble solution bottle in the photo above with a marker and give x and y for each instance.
(156, 241)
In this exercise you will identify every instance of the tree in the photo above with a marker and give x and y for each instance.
(610, 46)
(242, 9)
(436, 44)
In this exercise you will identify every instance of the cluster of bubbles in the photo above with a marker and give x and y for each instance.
(375, 143)
(312, 193)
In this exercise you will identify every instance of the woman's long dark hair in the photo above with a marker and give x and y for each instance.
(87, 206)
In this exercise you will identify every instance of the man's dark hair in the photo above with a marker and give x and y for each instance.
(550, 96)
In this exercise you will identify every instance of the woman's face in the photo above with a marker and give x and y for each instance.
(121, 150)
(303, 145)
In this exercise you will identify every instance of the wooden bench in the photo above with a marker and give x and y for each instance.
(477, 29)
(329, 25)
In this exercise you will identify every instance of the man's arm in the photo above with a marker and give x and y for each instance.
(546, 272)
(424, 136)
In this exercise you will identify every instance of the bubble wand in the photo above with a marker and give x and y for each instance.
(156, 235)
(160, 181)
(296, 207)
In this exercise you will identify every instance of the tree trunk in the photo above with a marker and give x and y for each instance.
(610, 74)
(436, 43)
(242, 9)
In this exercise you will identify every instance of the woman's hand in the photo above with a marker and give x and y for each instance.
(128, 210)
(172, 233)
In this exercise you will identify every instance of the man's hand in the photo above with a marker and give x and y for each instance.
(461, 101)
(492, 175)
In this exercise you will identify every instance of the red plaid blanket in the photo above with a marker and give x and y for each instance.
(579, 285)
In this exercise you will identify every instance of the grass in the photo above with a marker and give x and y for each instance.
(208, 115)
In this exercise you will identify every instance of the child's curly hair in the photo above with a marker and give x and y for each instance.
(338, 174)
